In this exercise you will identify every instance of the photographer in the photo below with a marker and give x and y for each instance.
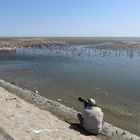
(91, 118)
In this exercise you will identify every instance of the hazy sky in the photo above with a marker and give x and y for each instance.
(69, 18)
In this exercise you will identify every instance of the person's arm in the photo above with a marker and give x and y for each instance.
(103, 120)
(80, 118)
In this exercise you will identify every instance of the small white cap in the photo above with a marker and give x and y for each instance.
(92, 101)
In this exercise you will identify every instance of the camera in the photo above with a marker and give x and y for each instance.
(84, 101)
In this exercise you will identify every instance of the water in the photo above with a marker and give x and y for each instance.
(102, 71)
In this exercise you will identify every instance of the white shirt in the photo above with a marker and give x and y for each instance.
(93, 118)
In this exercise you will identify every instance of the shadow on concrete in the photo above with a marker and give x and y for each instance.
(79, 128)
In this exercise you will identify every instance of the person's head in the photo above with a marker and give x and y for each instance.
(91, 102)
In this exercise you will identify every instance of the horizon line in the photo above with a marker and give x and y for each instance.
(70, 37)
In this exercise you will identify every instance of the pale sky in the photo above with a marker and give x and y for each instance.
(69, 18)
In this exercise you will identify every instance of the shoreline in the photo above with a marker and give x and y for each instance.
(63, 112)
(49, 42)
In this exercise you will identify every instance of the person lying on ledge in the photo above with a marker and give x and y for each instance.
(91, 118)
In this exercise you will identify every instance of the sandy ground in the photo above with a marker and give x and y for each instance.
(24, 121)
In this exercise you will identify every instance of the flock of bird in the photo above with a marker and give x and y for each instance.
(103, 49)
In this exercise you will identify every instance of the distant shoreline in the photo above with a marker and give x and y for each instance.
(48, 42)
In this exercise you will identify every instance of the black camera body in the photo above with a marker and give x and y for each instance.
(84, 101)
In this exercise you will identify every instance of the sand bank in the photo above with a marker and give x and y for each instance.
(22, 120)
